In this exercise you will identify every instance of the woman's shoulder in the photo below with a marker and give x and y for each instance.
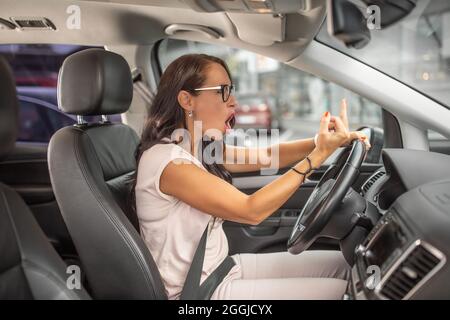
(160, 151)
(166, 152)
(156, 158)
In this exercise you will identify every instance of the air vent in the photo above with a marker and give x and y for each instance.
(5, 24)
(366, 186)
(415, 269)
(33, 23)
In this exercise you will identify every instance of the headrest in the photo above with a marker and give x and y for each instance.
(94, 82)
(9, 109)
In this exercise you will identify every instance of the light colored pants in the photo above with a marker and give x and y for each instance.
(281, 275)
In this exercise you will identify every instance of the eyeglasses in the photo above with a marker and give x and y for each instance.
(225, 89)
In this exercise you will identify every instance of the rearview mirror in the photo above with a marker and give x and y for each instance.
(393, 11)
(347, 23)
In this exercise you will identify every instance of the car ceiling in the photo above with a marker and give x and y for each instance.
(143, 22)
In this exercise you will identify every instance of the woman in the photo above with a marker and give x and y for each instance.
(178, 196)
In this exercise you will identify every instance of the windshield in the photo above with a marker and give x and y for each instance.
(415, 50)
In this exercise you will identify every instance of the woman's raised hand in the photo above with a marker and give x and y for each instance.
(343, 115)
(333, 134)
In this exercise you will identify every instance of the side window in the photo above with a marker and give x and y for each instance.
(273, 95)
(435, 136)
(438, 143)
(58, 119)
(33, 126)
(35, 68)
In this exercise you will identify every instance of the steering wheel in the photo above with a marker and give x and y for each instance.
(326, 197)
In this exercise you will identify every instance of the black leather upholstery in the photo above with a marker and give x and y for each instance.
(9, 117)
(89, 168)
(94, 82)
(29, 266)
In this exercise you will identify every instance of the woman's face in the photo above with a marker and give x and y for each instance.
(208, 105)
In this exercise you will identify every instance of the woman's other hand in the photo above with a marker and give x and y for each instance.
(334, 134)
(344, 119)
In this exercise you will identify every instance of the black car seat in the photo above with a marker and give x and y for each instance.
(90, 166)
(30, 268)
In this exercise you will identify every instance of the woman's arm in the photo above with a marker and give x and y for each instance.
(208, 193)
(241, 159)
(217, 197)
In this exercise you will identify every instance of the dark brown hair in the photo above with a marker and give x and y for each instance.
(165, 113)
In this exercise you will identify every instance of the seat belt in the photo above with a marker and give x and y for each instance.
(140, 87)
(192, 290)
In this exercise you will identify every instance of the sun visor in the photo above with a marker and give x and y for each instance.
(259, 29)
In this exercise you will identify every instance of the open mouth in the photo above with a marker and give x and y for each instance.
(229, 123)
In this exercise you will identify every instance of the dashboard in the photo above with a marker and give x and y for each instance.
(405, 255)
